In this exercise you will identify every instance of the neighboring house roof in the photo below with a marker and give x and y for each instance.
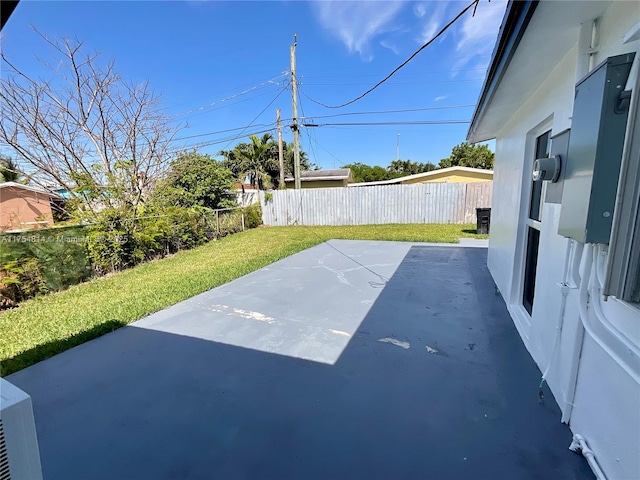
(426, 175)
(534, 37)
(28, 187)
(315, 175)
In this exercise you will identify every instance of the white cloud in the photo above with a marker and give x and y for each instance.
(440, 98)
(434, 22)
(477, 34)
(391, 46)
(419, 10)
(357, 23)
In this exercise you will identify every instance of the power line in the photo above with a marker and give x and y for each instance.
(478, 69)
(405, 110)
(224, 103)
(342, 164)
(258, 116)
(474, 4)
(416, 122)
(223, 131)
(309, 136)
(269, 81)
(422, 82)
(229, 139)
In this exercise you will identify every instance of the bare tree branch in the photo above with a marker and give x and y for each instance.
(86, 127)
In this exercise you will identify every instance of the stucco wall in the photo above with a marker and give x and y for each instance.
(606, 406)
(460, 177)
(20, 209)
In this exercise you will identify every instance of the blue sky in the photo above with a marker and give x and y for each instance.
(219, 64)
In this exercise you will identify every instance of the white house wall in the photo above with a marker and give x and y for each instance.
(606, 406)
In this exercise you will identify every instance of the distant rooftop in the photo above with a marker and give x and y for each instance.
(432, 173)
(313, 175)
(27, 187)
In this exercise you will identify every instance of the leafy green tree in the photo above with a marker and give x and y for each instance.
(465, 155)
(407, 167)
(10, 171)
(195, 179)
(361, 172)
(258, 160)
(305, 164)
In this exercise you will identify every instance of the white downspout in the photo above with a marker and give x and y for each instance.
(579, 445)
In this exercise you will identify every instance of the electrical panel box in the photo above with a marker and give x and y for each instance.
(592, 166)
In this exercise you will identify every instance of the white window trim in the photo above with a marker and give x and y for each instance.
(521, 316)
(622, 277)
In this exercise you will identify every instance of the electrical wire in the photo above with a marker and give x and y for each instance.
(234, 137)
(229, 139)
(383, 112)
(272, 124)
(269, 81)
(420, 82)
(259, 114)
(415, 122)
(225, 105)
(308, 135)
(360, 75)
(473, 4)
(342, 164)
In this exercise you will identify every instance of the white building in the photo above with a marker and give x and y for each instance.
(556, 248)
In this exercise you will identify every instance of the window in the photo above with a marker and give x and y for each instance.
(543, 144)
(542, 148)
(530, 268)
(623, 272)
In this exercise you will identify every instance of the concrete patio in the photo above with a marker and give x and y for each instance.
(352, 359)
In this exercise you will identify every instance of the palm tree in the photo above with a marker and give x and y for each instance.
(305, 164)
(10, 171)
(257, 160)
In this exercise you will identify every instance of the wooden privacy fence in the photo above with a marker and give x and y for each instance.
(380, 204)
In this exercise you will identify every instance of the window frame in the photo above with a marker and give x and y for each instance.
(622, 277)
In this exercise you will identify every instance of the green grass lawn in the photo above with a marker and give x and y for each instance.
(44, 326)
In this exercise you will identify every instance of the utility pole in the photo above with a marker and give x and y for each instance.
(294, 105)
(280, 152)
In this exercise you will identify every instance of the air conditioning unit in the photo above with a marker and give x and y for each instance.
(19, 454)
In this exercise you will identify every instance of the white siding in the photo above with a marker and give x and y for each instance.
(607, 397)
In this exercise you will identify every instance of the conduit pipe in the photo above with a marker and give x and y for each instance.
(618, 336)
(583, 303)
(575, 264)
(564, 288)
(589, 299)
(579, 445)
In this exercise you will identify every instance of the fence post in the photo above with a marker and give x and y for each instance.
(243, 221)
(217, 223)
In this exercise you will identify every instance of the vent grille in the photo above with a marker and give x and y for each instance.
(5, 474)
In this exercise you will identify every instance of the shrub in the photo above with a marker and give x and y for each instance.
(119, 241)
(19, 280)
(252, 216)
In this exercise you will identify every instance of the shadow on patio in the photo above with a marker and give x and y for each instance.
(450, 393)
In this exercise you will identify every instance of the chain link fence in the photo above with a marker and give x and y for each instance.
(51, 259)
